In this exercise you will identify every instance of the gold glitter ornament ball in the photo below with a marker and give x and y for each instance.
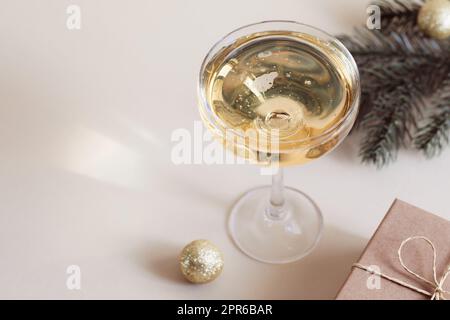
(434, 18)
(201, 261)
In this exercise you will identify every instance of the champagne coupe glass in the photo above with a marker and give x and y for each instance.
(278, 93)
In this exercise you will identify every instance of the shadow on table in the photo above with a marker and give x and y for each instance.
(318, 276)
(161, 260)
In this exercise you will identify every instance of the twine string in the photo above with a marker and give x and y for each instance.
(438, 292)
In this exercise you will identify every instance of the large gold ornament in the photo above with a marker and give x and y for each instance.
(201, 261)
(434, 18)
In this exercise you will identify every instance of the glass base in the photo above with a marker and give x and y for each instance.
(284, 238)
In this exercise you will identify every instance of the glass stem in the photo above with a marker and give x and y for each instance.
(276, 209)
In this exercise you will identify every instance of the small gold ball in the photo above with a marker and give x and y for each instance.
(434, 18)
(201, 261)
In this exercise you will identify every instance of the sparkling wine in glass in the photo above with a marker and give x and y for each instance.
(278, 93)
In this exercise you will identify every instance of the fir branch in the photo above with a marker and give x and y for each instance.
(379, 78)
(399, 15)
(372, 44)
(400, 70)
(389, 123)
(394, 101)
(424, 74)
(433, 136)
(434, 78)
(397, 72)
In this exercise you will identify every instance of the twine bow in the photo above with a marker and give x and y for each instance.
(437, 285)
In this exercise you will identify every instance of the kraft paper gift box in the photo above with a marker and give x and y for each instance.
(379, 274)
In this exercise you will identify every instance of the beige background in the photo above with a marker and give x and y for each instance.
(85, 170)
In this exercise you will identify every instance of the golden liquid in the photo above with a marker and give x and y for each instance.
(288, 87)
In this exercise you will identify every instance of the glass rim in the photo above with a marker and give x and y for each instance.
(219, 126)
